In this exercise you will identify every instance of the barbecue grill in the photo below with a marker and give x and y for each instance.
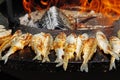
(22, 60)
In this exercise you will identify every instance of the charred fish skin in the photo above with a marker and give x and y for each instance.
(79, 48)
(19, 43)
(58, 45)
(8, 42)
(104, 44)
(70, 47)
(115, 43)
(54, 19)
(89, 49)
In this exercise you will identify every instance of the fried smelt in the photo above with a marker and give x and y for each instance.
(42, 43)
(70, 47)
(58, 46)
(89, 48)
(115, 43)
(7, 43)
(79, 48)
(104, 44)
(17, 44)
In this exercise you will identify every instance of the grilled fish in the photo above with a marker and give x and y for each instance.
(79, 48)
(8, 41)
(70, 47)
(89, 48)
(4, 35)
(17, 44)
(115, 43)
(42, 43)
(58, 46)
(104, 44)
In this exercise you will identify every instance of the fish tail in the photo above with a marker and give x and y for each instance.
(38, 57)
(59, 61)
(59, 64)
(112, 63)
(116, 56)
(5, 58)
(65, 63)
(84, 67)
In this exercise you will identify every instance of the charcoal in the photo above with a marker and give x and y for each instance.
(54, 19)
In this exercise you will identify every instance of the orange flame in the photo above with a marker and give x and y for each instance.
(44, 2)
(27, 5)
(110, 8)
(30, 4)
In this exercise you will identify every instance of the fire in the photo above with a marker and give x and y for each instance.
(27, 5)
(44, 2)
(109, 8)
(30, 5)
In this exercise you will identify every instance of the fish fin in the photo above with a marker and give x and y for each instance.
(65, 64)
(59, 64)
(84, 67)
(38, 57)
(116, 56)
(5, 58)
(112, 63)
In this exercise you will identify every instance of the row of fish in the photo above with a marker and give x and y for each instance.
(64, 45)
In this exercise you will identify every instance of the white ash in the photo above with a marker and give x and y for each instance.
(31, 22)
(54, 19)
